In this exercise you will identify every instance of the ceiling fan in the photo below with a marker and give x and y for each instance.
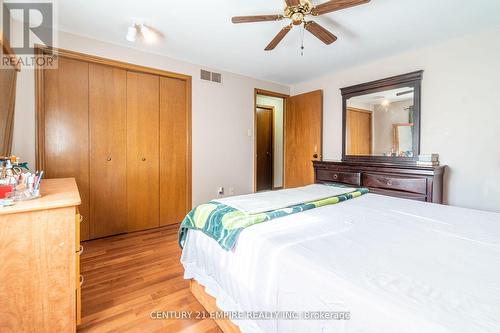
(297, 10)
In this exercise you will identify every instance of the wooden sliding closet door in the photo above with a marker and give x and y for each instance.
(143, 94)
(108, 150)
(66, 127)
(175, 140)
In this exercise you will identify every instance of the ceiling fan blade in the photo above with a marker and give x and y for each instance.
(321, 33)
(256, 18)
(335, 5)
(292, 3)
(279, 37)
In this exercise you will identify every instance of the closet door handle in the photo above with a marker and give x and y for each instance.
(81, 280)
(81, 250)
(81, 218)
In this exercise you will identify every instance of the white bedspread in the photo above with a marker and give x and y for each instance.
(266, 201)
(396, 265)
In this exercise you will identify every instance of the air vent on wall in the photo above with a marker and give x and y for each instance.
(205, 75)
(209, 76)
(217, 77)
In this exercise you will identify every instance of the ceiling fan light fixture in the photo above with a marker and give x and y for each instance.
(297, 18)
(297, 11)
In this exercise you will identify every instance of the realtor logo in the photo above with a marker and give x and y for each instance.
(26, 25)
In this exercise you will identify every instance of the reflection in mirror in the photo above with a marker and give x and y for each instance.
(381, 123)
(403, 139)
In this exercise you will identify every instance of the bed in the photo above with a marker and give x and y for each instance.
(381, 264)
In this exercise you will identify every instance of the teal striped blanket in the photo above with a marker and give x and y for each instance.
(224, 223)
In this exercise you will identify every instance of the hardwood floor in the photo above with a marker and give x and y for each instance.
(129, 276)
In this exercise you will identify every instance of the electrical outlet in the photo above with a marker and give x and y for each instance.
(220, 190)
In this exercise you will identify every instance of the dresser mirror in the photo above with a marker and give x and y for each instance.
(381, 120)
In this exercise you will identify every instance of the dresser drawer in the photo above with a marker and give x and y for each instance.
(399, 194)
(411, 185)
(351, 178)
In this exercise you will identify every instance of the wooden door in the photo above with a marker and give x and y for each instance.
(175, 150)
(108, 150)
(359, 132)
(143, 94)
(303, 125)
(66, 128)
(8, 78)
(264, 153)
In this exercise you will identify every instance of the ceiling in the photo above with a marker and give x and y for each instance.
(201, 32)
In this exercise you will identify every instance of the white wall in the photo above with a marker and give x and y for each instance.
(277, 103)
(460, 111)
(221, 118)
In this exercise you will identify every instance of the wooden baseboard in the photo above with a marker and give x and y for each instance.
(208, 302)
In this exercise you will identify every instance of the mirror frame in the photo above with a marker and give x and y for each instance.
(414, 80)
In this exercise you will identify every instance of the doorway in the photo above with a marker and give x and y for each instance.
(296, 139)
(269, 115)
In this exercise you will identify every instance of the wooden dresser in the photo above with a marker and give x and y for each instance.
(40, 261)
(403, 181)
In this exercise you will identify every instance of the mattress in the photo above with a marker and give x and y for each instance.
(393, 265)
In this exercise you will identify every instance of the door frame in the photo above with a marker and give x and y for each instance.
(267, 93)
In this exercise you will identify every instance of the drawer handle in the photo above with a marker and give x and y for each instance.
(389, 183)
(335, 176)
(81, 250)
(81, 280)
(109, 159)
(144, 159)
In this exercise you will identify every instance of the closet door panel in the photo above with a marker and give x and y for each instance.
(108, 150)
(142, 151)
(175, 171)
(66, 127)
